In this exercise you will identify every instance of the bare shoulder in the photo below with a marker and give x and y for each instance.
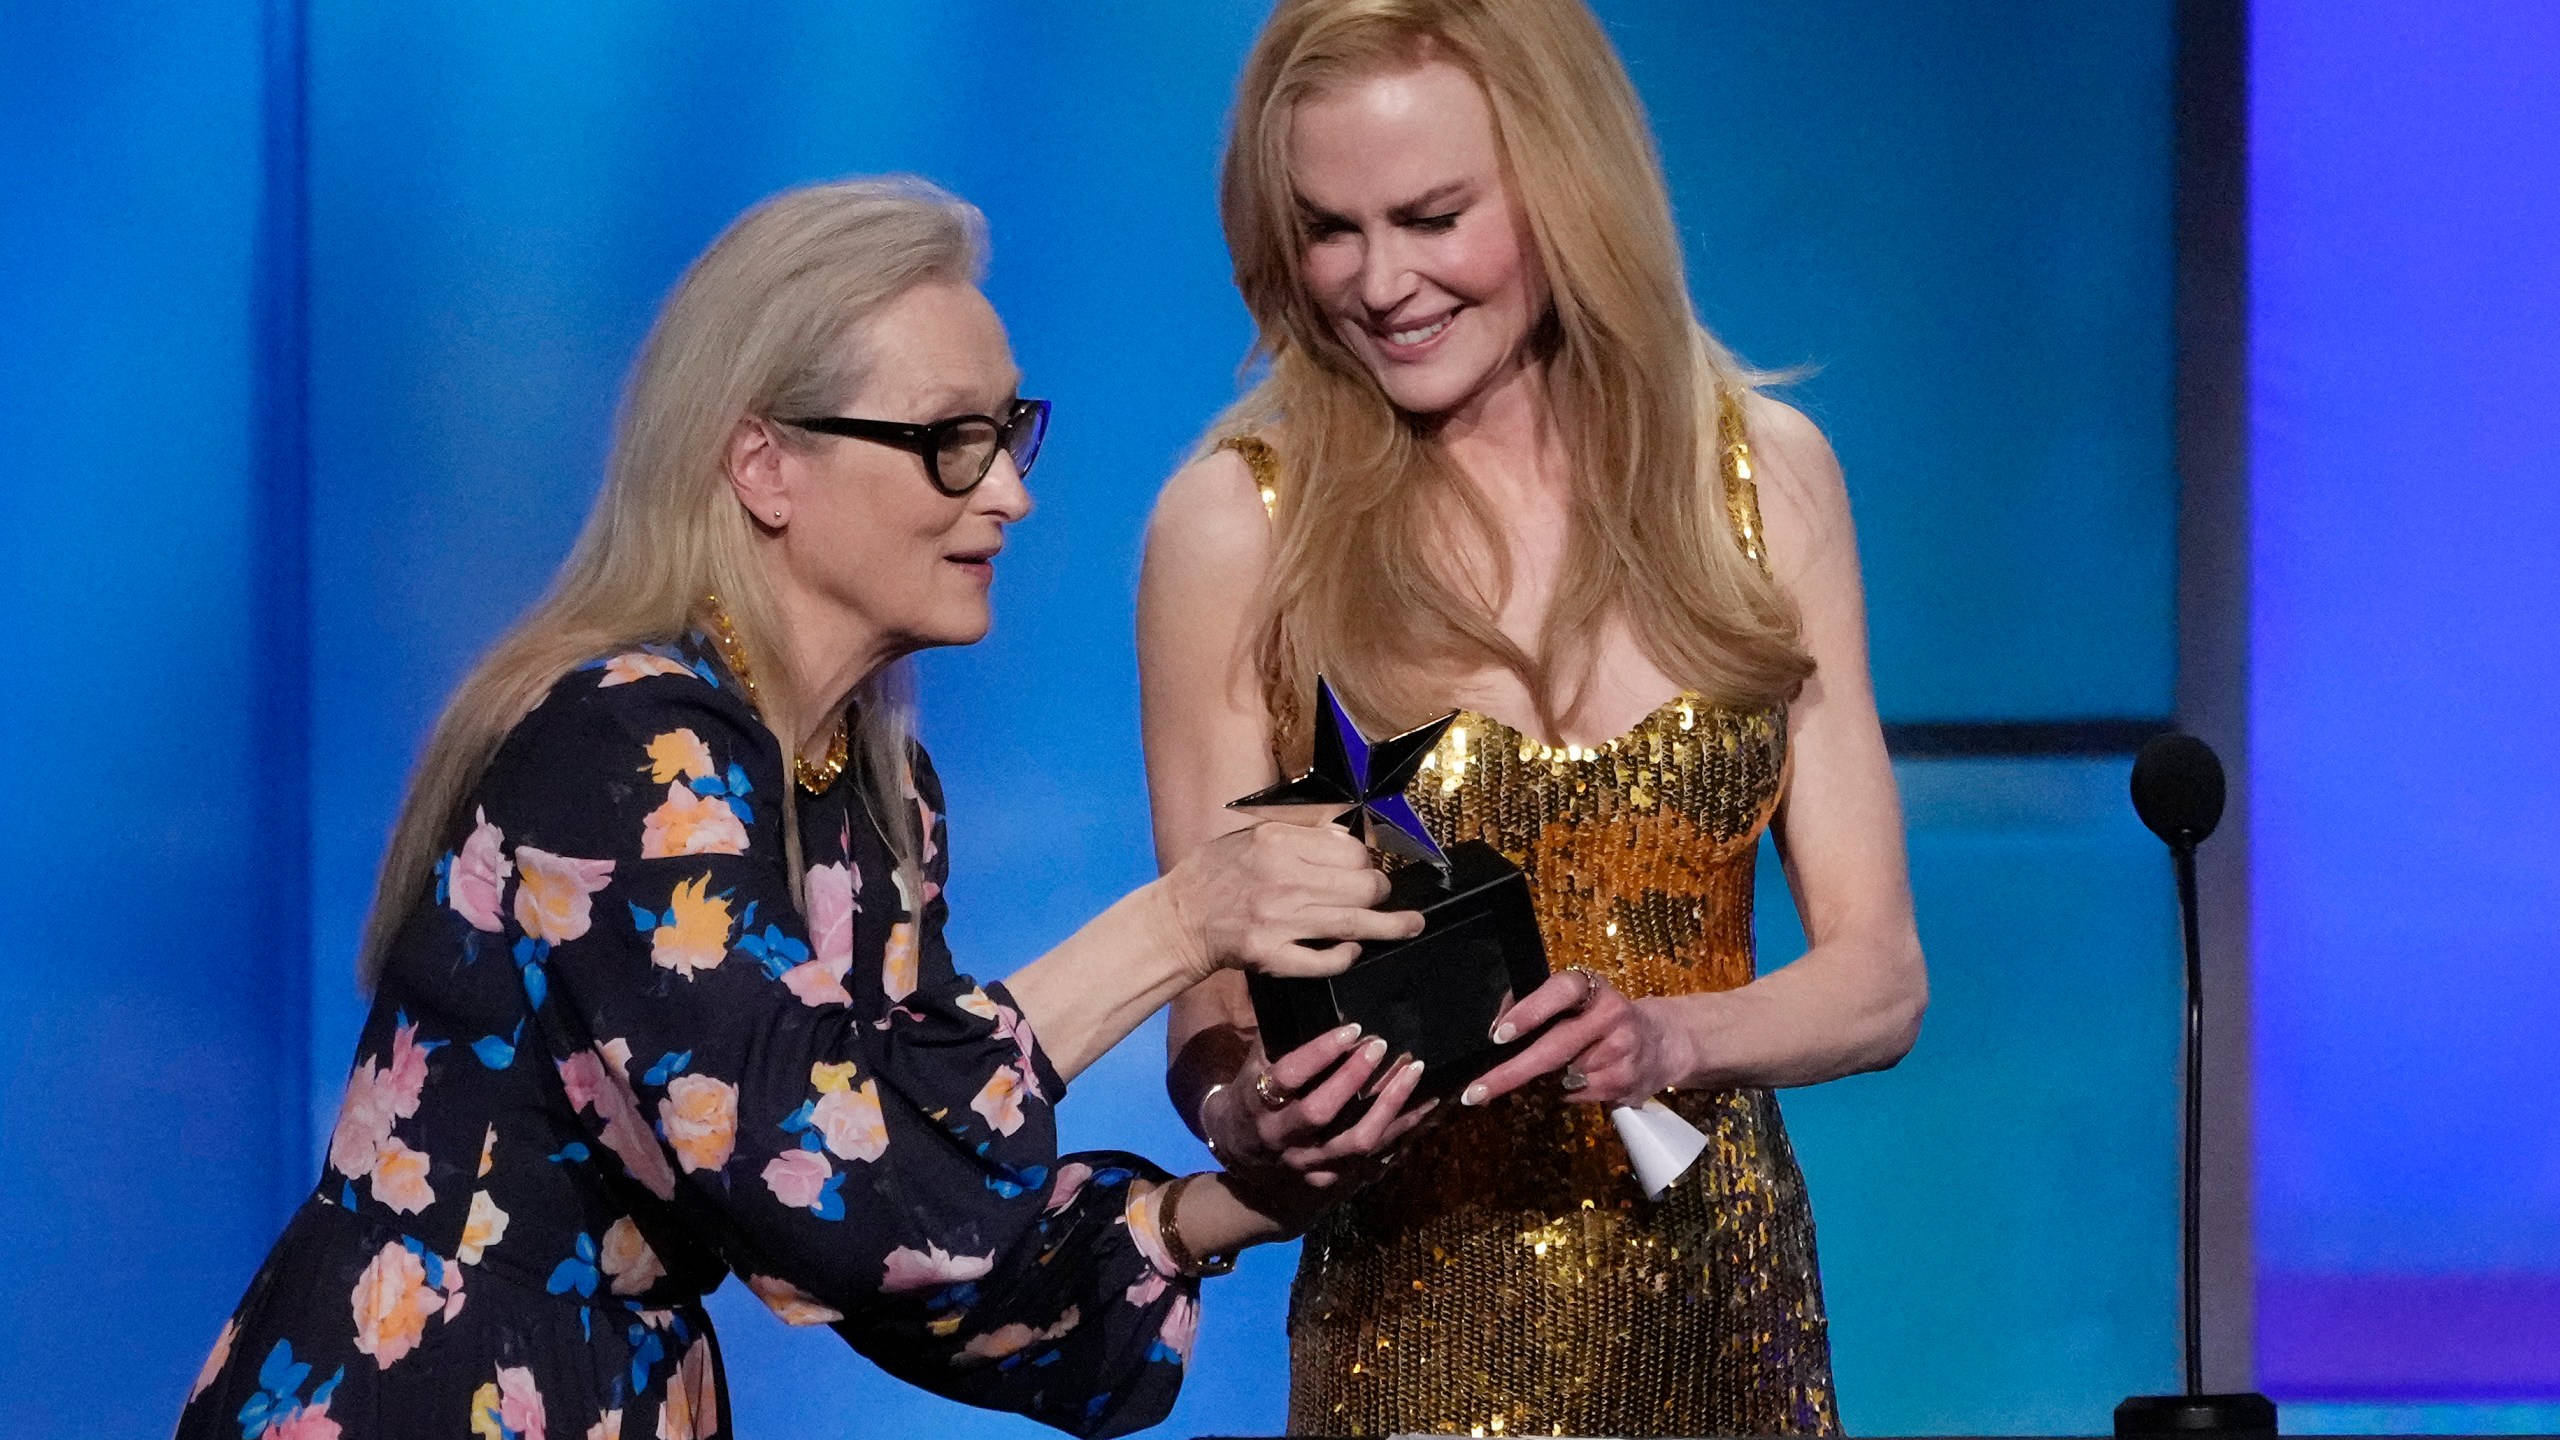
(1804, 500)
(1210, 515)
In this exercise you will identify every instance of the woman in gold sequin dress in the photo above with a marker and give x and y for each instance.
(1495, 465)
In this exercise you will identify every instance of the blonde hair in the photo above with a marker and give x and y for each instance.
(767, 321)
(1635, 382)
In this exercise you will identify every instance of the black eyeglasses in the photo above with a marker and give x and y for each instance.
(957, 452)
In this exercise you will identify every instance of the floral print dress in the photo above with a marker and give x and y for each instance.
(609, 1062)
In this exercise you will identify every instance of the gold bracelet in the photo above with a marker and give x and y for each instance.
(1184, 1262)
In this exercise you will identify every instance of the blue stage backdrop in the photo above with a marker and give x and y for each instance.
(1958, 215)
(2406, 700)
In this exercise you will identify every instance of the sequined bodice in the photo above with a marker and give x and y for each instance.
(1639, 851)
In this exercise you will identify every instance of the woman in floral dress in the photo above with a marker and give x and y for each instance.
(660, 996)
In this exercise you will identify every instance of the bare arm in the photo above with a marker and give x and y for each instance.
(1207, 737)
(1853, 1001)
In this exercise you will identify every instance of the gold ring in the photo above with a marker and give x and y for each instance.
(1591, 983)
(1271, 1096)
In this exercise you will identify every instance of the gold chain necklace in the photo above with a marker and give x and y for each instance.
(816, 778)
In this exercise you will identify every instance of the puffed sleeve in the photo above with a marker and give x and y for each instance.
(893, 1174)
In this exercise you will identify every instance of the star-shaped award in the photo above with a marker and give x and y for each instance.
(1368, 776)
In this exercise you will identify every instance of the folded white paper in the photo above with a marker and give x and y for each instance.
(1660, 1145)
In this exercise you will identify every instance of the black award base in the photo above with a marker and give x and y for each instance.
(2245, 1416)
(1434, 997)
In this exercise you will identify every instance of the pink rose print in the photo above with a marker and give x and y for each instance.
(788, 1301)
(638, 665)
(553, 893)
(406, 1075)
(594, 1079)
(508, 1406)
(931, 1268)
(364, 1122)
(1142, 1292)
(999, 1101)
(214, 1362)
(691, 1411)
(819, 980)
(690, 824)
(849, 1120)
(1070, 1181)
(479, 876)
(1008, 1339)
(608, 1426)
(700, 1118)
(400, 1178)
(392, 1301)
(798, 1178)
(1181, 1326)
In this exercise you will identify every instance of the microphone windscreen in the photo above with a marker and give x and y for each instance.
(2177, 788)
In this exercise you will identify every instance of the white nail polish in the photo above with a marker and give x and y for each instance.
(1473, 1096)
(1375, 1050)
(1503, 1032)
(1347, 1033)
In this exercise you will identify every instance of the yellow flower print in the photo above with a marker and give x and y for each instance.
(898, 961)
(552, 893)
(392, 1301)
(699, 1117)
(850, 1120)
(690, 824)
(488, 1149)
(639, 665)
(679, 755)
(1000, 1100)
(697, 937)
(788, 1301)
(400, 1177)
(485, 1226)
(627, 1258)
(828, 1078)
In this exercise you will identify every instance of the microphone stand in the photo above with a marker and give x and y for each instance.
(2241, 1416)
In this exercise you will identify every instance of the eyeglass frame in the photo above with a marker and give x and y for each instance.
(925, 441)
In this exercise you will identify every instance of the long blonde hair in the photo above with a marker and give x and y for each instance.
(1635, 382)
(766, 322)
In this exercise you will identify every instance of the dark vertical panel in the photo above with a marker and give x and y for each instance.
(2213, 618)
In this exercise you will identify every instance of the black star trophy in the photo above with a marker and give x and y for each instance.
(1434, 997)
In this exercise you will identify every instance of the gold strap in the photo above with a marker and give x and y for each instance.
(1264, 462)
(1741, 494)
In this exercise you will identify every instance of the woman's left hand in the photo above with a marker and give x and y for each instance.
(1611, 1050)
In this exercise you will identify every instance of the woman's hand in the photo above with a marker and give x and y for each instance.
(1293, 1137)
(1612, 1050)
(1247, 898)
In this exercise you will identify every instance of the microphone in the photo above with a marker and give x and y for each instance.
(2178, 792)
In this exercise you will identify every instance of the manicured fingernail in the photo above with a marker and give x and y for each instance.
(1374, 1051)
(1474, 1096)
(1347, 1033)
(1503, 1032)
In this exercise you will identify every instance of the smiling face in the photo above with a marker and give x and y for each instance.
(1416, 251)
(867, 535)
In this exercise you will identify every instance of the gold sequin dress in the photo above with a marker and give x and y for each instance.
(1510, 1277)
